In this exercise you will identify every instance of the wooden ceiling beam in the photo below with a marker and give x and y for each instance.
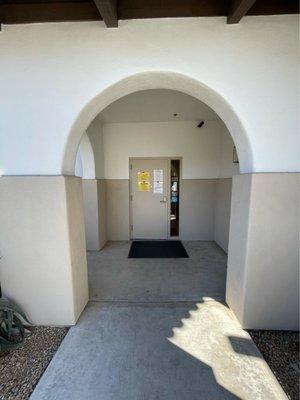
(108, 12)
(238, 8)
(20, 13)
(30, 11)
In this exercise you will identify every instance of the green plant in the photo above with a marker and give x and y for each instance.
(12, 330)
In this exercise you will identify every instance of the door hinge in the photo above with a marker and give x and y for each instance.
(130, 166)
(131, 197)
(131, 227)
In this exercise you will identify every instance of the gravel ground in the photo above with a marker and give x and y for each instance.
(281, 351)
(21, 369)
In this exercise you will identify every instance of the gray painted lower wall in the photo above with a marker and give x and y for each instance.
(75, 217)
(237, 248)
(263, 263)
(117, 209)
(94, 205)
(91, 214)
(222, 212)
(43, 265)
(197, 210)
(102, 211)
(43, 251)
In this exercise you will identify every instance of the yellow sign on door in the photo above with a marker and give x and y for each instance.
(143, 179)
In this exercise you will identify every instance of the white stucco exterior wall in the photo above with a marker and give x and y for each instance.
(55, 78)
(64, 66)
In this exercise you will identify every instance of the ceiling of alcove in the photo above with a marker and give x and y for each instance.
(157, 105)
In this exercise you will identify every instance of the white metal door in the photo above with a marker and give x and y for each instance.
(149, 198)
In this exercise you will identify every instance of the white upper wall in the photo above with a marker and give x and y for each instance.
(204, 155)
(50, 72)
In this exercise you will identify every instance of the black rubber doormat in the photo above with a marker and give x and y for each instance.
(157, 249)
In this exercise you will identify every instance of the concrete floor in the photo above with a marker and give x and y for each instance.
(160, 332)
(114, 277)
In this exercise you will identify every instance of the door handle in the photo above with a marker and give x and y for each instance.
(164, 200)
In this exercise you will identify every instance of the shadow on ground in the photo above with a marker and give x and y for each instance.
(157, 352)
(121, 353)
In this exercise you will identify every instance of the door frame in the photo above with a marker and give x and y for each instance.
(168, 192)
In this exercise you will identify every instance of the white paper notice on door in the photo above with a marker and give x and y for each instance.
(158, 181)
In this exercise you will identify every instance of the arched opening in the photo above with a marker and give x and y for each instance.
(59, 204)
(159, 80)
(161, 123)
(150, 81)
(110, 223)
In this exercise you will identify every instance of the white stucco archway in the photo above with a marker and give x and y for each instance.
(159, 80)
(156, 80)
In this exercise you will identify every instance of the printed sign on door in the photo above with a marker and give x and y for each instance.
(158, 181)
(143, 181)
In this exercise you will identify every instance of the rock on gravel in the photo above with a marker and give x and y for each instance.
(21, 369)
(281, 351)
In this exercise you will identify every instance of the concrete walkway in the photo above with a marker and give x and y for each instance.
(174, 348)
(114, 277)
